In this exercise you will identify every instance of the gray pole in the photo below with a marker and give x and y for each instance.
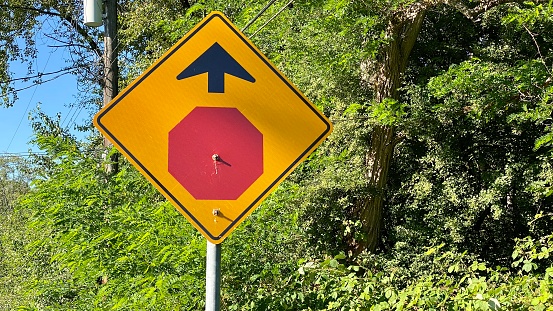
(213, 277)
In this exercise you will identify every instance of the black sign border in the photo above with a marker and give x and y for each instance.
(161, 186)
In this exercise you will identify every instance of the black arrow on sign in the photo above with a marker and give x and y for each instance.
(216, 62)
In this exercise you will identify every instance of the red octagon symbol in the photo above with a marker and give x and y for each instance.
(215, 153)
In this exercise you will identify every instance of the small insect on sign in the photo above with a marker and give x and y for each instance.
(214, 126)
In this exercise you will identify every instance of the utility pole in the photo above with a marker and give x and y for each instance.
(111, 68)
(93, 10)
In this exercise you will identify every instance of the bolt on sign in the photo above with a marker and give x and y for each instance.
(214, 126)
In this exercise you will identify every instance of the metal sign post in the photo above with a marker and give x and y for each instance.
(213, 277)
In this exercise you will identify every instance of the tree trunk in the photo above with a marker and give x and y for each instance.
(385, 79)
(369, 208)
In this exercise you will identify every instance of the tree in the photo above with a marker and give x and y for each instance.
(385, 76)
(461, 108)
(22, 20)
(15, 175)
(368, 47)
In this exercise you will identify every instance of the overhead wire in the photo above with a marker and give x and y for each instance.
(337, 120)
(21, 120)
(258, 15)
(42, 82)
(68, 113)
(74, 110)
(28, 104)
(273, 17)
(40, 75)
(21, 154)
(27, 154)
(73, 120)
(36, 84)
(70, 120)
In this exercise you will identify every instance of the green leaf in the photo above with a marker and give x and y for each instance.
(494, 304)
(353, 109)
(527, 267)
(198, 6)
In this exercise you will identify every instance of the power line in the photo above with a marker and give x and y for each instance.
(26, 154)
(68, 113)
(40, 75)
(21, 154)
(273, 17)
(74, 119)
(24, 113)
(33, 95)
(27, 108)
(258, 14)
(41, 82)
(69, 117)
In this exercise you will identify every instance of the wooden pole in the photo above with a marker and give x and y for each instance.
(111, 68)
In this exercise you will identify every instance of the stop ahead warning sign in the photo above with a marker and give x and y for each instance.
(214, 126)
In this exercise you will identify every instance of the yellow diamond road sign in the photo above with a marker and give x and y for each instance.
(214, 126)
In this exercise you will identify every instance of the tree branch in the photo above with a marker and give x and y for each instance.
(63, 43)
(81, 31)
(27, 8)
(539, 50)
(410, 36)
(474, 13)
(64, 17)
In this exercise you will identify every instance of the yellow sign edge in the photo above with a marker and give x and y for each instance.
(182, 209)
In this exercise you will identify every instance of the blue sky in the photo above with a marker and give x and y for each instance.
(54, 97)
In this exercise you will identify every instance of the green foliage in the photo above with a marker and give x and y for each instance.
(14, 178)
(24, 24)
(450, 281)
(471, 177)
(388, 112)
(107, 243)
(468, 172)
(263, 251)
(97, 242)
(15, 174)
(15, 25)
